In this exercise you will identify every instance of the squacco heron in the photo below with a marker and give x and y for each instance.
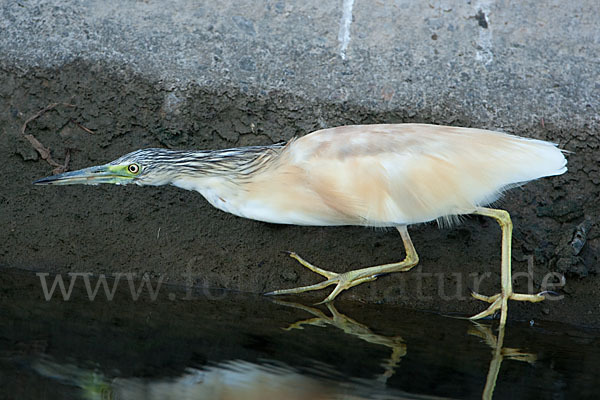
(369, 175)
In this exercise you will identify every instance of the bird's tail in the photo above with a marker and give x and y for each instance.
(541, 158)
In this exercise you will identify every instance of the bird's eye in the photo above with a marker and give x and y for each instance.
(133, 168)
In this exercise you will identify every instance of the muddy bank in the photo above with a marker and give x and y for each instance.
(105, 111)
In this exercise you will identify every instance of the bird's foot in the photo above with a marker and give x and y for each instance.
(500, 302)
(342, 281)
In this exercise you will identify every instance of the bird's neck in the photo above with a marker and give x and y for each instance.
(235, 164)
(220, 175)
(221, 192)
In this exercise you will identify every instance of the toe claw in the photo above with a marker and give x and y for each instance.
(372, 278)
(545, 292)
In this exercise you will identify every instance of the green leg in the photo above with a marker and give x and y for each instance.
(350, 279)
(500, 300)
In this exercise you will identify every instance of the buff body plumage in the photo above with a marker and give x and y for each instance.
(384, 175)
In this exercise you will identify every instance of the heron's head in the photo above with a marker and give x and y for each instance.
(143, 167)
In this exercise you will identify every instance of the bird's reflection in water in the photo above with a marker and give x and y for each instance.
(354, 328)
(499, 354)
(267, 379)
(235, 379)
(229, 380)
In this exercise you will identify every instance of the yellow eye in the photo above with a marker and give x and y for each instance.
(133, 168)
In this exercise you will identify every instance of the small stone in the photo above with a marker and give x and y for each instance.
(289, 276)
(247, 64)
(26, 152)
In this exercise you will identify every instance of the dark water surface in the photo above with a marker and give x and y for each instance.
(223, 345)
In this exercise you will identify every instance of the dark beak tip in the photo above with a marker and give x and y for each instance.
(45, 181)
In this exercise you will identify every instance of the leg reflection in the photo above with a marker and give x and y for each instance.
(354, 328)
(499, 353)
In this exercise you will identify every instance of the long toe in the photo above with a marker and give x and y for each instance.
(500, 302)
(495, 306)
(347, 280)
(313, 268)
(487, 299)
(534, 298)
(302, 289)
(338, 289)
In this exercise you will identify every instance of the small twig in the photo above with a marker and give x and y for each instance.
(63, 168)
(44, 152)
(88, 130)
(37, 115)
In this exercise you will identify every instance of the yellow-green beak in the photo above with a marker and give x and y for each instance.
(115, 174)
